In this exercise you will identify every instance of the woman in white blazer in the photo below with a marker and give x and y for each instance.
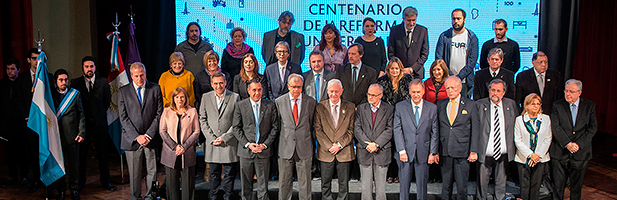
(532, 137)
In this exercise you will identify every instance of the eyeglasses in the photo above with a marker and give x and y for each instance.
(33, 58)
(295, 87)
(282, 51)
(571, 91)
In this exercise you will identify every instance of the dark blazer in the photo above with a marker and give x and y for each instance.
(72, 123)
(366, 76)
(201, 85)
(95, 103)
(564, 133)
(456, 138)
(480, 139)
(296, 48)
(413, 55)
(526, 83)
(138, 120)
(416, 139)
(391, 97)
(484, 77)
(240, 87)
(272, 76)
(244, 127)
(380, 133)
(295, 137)
(25, 82)
(309, 84)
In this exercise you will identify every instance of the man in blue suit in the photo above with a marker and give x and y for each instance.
(457, 119)
(416, 138)
(276, 74)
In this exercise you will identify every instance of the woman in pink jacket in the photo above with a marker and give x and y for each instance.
(179, 129)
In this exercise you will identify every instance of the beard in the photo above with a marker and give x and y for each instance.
(89, 74)
(459, 28)
(284, 31)
(495, 99)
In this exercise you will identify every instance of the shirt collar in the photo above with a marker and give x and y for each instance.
(359, 65)
(338, 104)
(412, 28)
(90, 79)
(253, 103)
(282, 66)
(497, 41)
(375, 108)
(414, 104)
(292, 99)
(536, 72)
(496, 72)
(577, 102)
(65, 91)
(500, 104)
(457, 100)
(135, 85)
(222, 95)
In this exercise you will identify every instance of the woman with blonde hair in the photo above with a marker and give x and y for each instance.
(433, 86)
(175, 77)
(179, 129)
(532, 137)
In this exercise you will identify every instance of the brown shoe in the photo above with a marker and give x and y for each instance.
(390, 180)
(396, 180)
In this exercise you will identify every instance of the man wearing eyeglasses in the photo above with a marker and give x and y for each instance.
(294, 39)
(548, 83)
(574, 124)
(373, 131)
(276, 74)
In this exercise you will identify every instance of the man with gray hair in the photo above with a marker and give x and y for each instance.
(334, 127)
(295, 111)
(495, 140)
(416, 135)
(373, 131)
(574, 124)
(294, 39)
(408, 41)
(276, 74)
(495, 71)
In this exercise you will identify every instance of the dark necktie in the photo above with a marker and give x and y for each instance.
(408, 37)
(497, 134)
(353, 78)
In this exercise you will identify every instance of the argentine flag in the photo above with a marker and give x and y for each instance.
(43, 121)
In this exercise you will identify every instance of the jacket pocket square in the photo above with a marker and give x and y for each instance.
(464, 112)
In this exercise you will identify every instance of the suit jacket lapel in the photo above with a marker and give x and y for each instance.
(361, 75)
(329, 118)
(412, 114)
(380, 115)
(262, 107)
(461, 104)
(225, 102)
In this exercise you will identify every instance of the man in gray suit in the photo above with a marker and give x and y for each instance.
(373, 130)
(296, 117)
(140, 108)
(416, 136)
(255, 126)
(216, 117)
(494, 143)
(276, 74)
(317, 78)
(456, 124)
(283, 33)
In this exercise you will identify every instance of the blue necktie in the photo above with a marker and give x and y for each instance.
(256, 113)
(139, 95)
(317, 90)
(574, 112)
(417, 115)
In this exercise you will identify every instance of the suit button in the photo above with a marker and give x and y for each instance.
(219, 131)
(450, 128)
(573, 133)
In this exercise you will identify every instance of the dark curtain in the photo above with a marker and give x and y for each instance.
(16, 32)
(595, 58)
(558, 33)
(155, 23)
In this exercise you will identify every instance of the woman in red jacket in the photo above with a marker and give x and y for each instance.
(434, 86)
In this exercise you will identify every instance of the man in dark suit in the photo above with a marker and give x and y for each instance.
(494, 71)
(12, 119)
(373, 131)
(276, 74)
(574, 124)
(26, 80)
(316, 79)
(95, 96)
(334, 126)
(355, 76)
(283, 33)
(72, 127)
(409, 42)
(296, 124)
(548, 83)
(456, 125)
(494, 144)
(255, 125)
(140, 107)
(416, 136)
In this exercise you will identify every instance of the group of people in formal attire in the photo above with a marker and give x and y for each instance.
(358, 109)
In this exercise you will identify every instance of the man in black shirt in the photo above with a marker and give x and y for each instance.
(512, 54)
(283, 33)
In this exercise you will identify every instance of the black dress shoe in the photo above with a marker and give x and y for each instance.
(61, 195)
(75, 195)
(34, 187)
(109, 187)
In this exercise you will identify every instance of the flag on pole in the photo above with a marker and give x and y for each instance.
(42, 120)
(132, 55)
(117, 78)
